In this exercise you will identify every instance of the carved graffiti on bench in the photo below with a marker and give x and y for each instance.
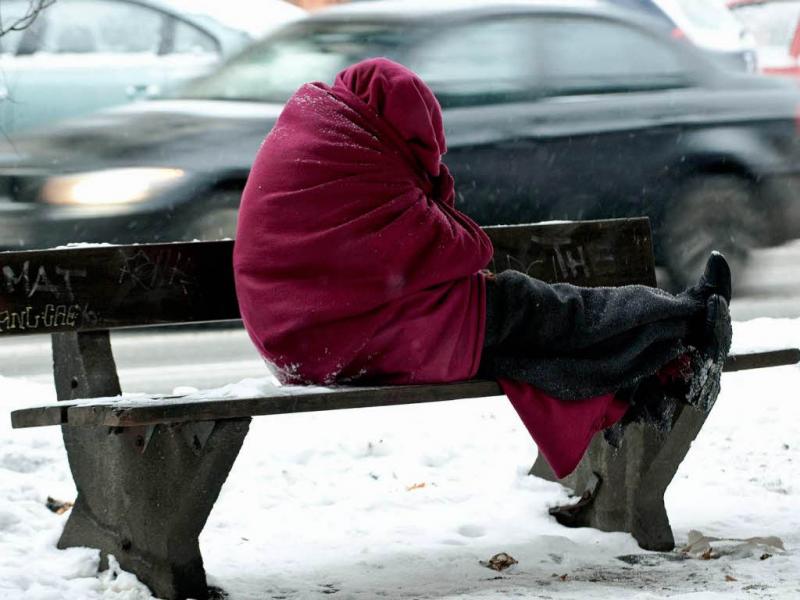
(30, 318)
(562, 259)
(35, 282)
(52, 316)
(37, 279)
(150, 271)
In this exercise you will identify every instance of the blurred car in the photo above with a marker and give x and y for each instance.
(81, 55)
(776, 27)
(627, 122)
(706, 23)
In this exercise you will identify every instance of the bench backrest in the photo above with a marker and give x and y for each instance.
(108, 287)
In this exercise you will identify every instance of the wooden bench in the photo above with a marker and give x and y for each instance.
(148, 471)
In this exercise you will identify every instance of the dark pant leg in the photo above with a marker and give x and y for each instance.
(574, 342)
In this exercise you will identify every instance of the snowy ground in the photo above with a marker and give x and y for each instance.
(404, 502)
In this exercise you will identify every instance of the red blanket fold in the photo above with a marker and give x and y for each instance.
(352, 263)
(562, 429)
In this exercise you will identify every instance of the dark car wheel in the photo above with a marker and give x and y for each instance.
(713, 212)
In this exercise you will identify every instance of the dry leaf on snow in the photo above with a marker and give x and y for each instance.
(499, 562)
(58, 506)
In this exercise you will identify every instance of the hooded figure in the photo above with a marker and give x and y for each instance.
(351, 262)
(353, 266)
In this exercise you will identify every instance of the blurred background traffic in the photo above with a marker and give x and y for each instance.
(130, 121)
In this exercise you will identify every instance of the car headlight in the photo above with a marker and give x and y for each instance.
(109, 187)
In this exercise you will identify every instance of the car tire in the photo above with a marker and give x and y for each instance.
(712, 212)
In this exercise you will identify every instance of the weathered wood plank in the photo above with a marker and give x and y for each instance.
(587, 253)
(107, 287)
(290, 399)
(115, 412)
(759, 360)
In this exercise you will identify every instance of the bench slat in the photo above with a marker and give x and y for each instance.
(587, 253)
(114, 412)
(108, 287)
(758, 360)
(290, 399)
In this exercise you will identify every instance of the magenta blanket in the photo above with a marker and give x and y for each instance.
(351, 262)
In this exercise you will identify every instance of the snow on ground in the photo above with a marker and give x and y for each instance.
(404, 502)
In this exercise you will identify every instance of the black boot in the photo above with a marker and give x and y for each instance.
(717, 331)
(712, 352)
(716, 279)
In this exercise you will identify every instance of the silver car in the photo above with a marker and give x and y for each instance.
(82, 55)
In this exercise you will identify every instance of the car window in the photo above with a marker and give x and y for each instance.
(188, 39)
(699, 15)
(773, 24)
(479, 63)
(273, 69)
(645, 6)
(94, 26)
(13, 11)
(594, 56)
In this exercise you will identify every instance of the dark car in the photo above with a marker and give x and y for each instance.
(552, 110)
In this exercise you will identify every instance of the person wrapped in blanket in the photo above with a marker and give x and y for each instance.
(352, 265)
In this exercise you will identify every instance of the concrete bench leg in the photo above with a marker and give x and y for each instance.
(623, 490)
(146, 500)
(144, 493)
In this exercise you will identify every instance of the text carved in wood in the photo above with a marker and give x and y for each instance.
(36, 279)
(49, 317)
(149, 272)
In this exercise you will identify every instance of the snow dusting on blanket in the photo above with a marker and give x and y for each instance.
(405, 502)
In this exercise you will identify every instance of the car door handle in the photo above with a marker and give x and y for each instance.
(142, 90)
